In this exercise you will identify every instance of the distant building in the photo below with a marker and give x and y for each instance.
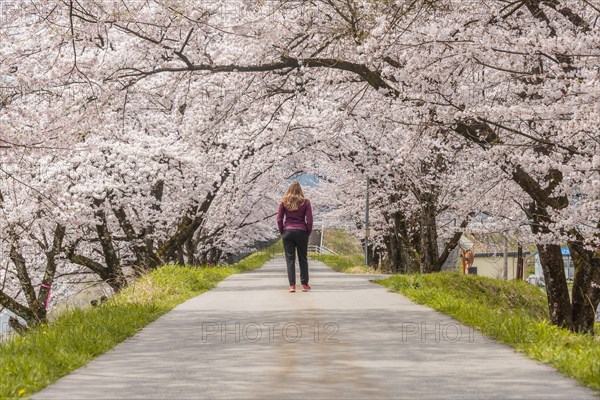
(488, 252)
(492, 264)
(489, 258)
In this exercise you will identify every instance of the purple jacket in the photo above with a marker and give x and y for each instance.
(301, 219)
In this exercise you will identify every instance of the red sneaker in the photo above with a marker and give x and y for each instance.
(305, 288)
(292, 288)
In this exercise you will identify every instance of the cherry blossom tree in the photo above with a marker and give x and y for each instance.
(172, 115)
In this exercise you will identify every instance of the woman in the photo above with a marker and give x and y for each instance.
(295, 221)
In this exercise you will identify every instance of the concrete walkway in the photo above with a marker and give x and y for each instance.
(348, 338)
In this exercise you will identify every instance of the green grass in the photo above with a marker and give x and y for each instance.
(353, 264)
(48, 352)
(342, 242)
(512, 312)
(350, 258)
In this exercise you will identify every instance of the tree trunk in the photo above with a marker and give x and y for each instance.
(113, 275)
(23, 275)
(180, 257)
(520, 261)
(218, 256)
(212, 256)
(141, 247)
(35, 312)
(45, 288)
(202, 258)
(389, 262)
(17, 308)
(429, 239)
(585, 296)
(557, 291)
(190, 250)
(373, 255)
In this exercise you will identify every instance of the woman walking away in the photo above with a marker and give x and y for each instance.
(295, 221)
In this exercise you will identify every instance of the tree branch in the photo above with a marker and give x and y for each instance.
(371, 76)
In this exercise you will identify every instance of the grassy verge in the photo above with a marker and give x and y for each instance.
(352, 264)
(512, 312)
(342, 242)
(31, 362)
(350, 258)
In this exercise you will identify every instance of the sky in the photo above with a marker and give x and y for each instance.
(309, 180)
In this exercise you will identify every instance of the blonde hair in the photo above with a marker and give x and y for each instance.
(294, 197)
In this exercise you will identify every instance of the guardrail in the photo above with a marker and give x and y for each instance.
(321, 250)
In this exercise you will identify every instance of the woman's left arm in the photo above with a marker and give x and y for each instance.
(280, 214)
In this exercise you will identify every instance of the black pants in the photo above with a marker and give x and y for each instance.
(296, 240)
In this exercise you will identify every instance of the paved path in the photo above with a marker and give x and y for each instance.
(348, 338)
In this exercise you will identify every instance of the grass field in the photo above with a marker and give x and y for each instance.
(343, 243)
(350, 258)
(48, 352)
(347, 264)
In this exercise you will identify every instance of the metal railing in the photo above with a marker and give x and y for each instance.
(321, 250)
